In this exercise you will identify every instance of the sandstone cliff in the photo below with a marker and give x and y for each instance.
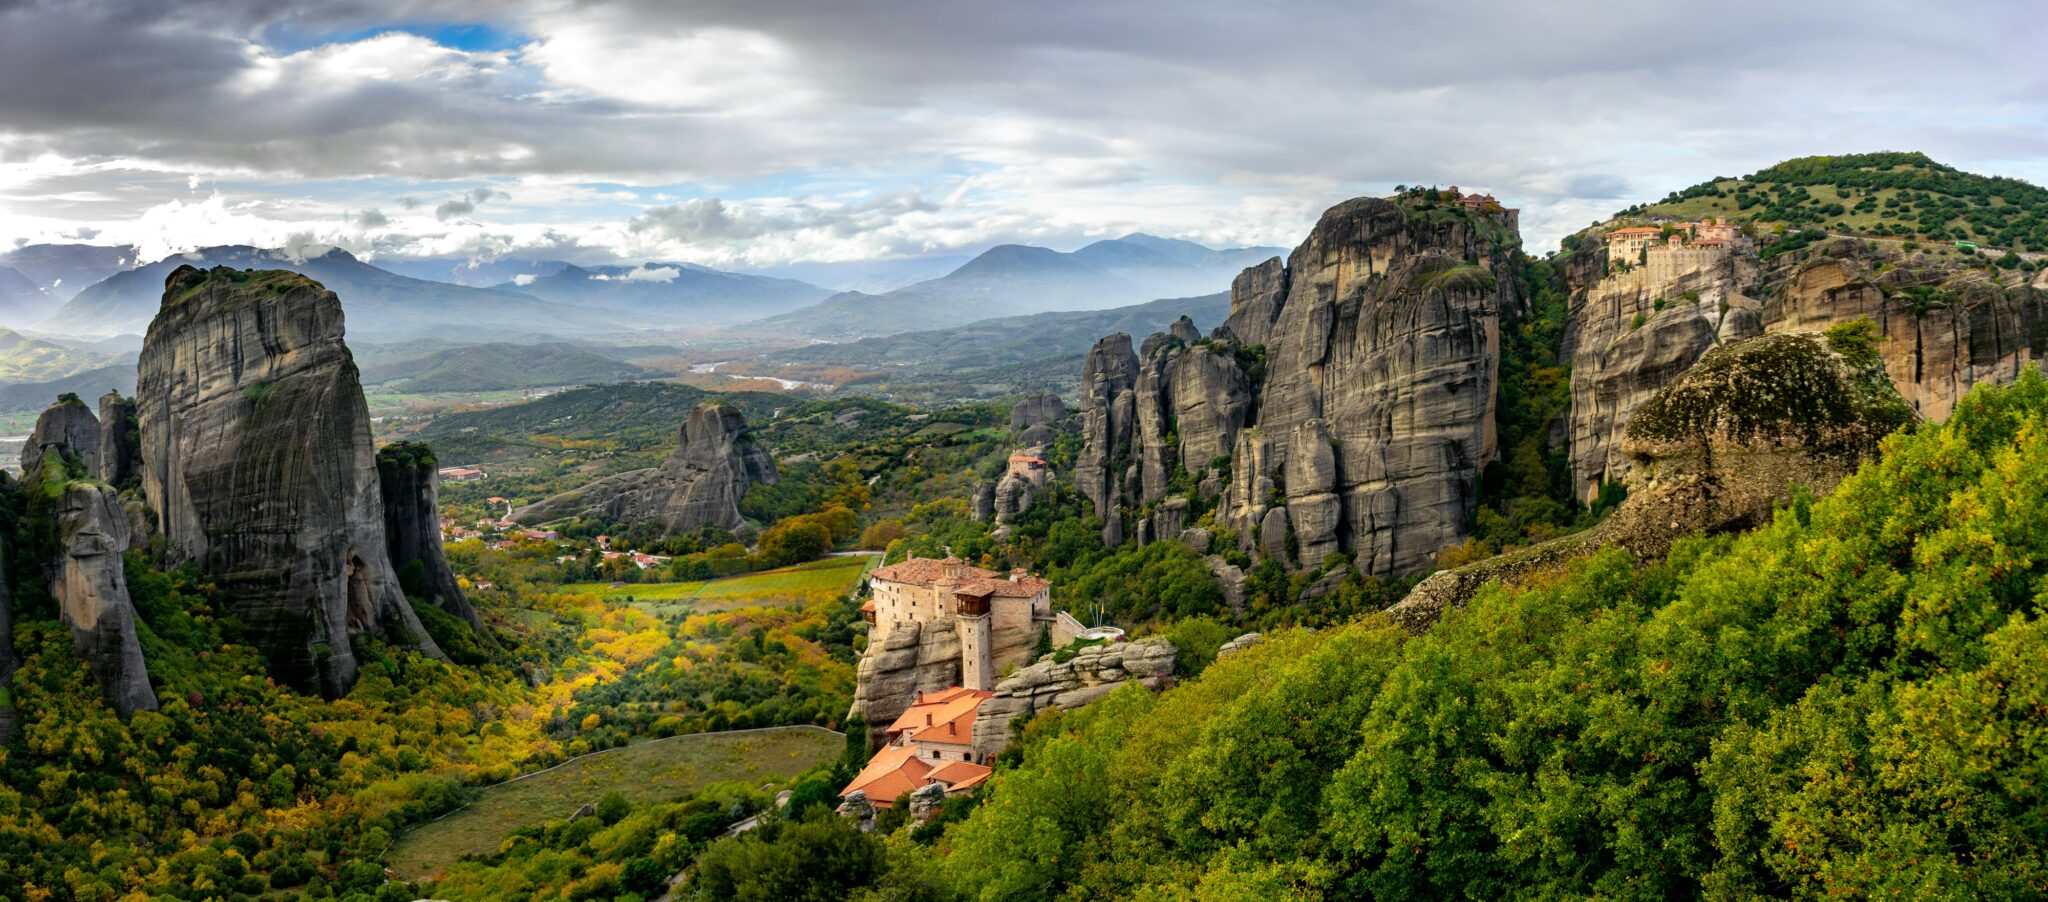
(410, 486)
(1092, 673)
(91, 590)
(68, 426)
(700, 484)
(1636, 329)
(919, 657)
(1345, 406)
(120, 445)
(258, 466)
(1737, 434)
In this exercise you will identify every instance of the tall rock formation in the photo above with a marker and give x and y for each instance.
(88, 581)
(716, 460)
(410, 486)
(1089, 675)
(259, 467)
(120, 446)
(1347, 401)
(67, 425)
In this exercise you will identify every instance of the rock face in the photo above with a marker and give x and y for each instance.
(258, 466)
(925, 801)
(120, 446)
(67, 425)
(410, 486)
(1346, 403)
(919, 657)
(87, 580)
(700, 484)
(1750, 424)
(1037, 409)
(1093, 673)
(1636, 329)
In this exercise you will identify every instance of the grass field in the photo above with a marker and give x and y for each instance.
(790, 586)
(649, 771)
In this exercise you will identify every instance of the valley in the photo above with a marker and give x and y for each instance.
(1413, 563)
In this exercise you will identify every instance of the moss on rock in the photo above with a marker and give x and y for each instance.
(1786, 390)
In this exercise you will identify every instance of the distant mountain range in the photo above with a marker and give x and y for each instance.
(671, 292)
(22, 301)
(64, 270)
(1012, 339)
(380, 305)
(1014, 279)
(469, 271)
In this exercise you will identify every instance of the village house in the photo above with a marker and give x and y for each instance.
(460, 474)
(932, 742)
(1029, 467)
(997, 616)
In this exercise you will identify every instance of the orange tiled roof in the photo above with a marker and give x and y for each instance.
(959, 775)
(892, 772)
(946, 716)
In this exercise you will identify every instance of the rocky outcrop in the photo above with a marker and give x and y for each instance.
(258, 467)
(699, 485)
(68, 426)
(91, 590)
(917, 657)
(984, 503)
(1634, 330)
(410, 485)
(120, 446)
(1351, 390)
(1094, 672)
(1240, 644)
(1109, 379)
(1041, 408)
(1752, 423)
(926, 800)
(856, 807)
(1011, 496)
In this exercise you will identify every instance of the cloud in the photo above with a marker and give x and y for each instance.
(779, 125)
(642, 274)
(372, 219)
(523, 279)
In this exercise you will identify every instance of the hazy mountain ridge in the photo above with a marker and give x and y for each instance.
(500, 365)
(1014, 279)
(677, 292)
(379, 303)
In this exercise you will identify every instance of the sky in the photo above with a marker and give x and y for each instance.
(759, 133)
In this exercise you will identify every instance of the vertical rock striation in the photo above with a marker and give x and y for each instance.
(410, 486)
(120, 446)
(258, 465)
(1346, 404)
(700, 484)
(91, 589)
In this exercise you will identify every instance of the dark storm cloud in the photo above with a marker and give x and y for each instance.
(1251, 109)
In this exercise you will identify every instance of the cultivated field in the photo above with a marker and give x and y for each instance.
(795, 586)
(653, 770)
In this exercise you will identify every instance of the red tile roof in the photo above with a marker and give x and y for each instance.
(946, 716)
(892, 772)
(959, 775)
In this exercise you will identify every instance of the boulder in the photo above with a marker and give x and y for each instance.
(700, 484)
(87, 580)
(856, 807)
(925, 801)
(1240, 644)
(258, 467)
(1230, 581)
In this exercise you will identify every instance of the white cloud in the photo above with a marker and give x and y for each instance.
(642, 274)
(523, 279)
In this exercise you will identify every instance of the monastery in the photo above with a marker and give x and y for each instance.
(996, 616)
